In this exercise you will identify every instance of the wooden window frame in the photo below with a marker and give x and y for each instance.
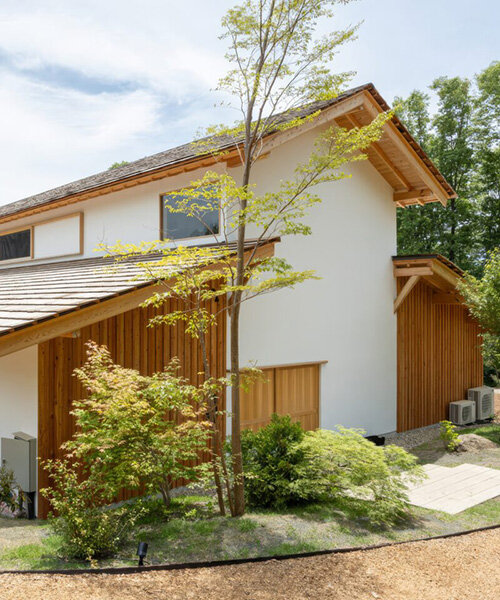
(198, 237)
(32, 228)
(11, 261)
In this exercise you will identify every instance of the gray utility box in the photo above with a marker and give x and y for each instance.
(19, 455)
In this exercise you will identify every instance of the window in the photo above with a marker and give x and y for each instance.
(178, 226)
(16, 244)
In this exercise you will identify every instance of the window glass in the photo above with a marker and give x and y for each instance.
(178, 226)
(15, 245)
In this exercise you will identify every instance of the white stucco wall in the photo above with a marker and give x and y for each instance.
(131, 216)
(19, 392)
(346, 317)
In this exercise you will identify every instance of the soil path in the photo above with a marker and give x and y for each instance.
(460, 568)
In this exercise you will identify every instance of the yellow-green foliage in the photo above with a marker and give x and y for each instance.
(138, 430)
(449, 435)
(84, 528)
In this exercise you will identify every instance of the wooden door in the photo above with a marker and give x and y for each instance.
(289, 390)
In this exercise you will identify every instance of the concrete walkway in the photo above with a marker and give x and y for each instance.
(453, 490)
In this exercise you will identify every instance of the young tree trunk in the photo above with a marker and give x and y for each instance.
(165, 493)
(217, 445)
(238, 485)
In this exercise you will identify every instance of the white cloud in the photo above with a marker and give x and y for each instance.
(87, 83)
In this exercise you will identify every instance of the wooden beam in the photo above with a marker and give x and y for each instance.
(413, 195)
(407, 288)
(410, 271)
(404, 147)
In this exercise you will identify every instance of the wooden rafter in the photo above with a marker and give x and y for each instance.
(375, 147)
(421, 196)
(407, 288)
(404, 147)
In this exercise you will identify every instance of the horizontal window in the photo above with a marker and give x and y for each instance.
(15, 245)
(179, 226)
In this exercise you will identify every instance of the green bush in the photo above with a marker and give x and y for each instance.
(86, 530)
(284, 465)
(11, 495)
(449, 435)
(136, 430)
(368, 480)
(271, 458)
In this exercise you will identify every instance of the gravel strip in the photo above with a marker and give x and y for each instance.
(451, 569)
(414, 437)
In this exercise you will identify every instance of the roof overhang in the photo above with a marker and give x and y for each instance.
(397, 157)
(41, 302)
(434, 270)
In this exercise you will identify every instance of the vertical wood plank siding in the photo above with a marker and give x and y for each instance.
(132, 344)
(292, 390)
(439, 357)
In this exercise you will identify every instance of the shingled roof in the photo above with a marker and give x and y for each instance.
(190, 151)
(36, 293)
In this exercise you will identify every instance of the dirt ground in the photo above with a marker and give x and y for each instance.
(460, 568)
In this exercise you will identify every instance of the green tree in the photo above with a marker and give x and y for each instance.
(115, 165)
(449, 137)
(482, 296)
(486, 183)
(277, 64)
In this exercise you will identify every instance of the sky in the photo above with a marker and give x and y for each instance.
(89, 82)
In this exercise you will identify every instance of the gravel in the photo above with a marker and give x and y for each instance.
(413, 438)
(451, 569)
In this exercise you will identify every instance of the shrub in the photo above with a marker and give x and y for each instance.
(11, 495)
(86, 530)
(449, 435)
(344, 467)
(271, 458)
(138, 430)
(284, 465)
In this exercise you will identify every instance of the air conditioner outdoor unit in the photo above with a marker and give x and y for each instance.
(483, 397)
(462, 412)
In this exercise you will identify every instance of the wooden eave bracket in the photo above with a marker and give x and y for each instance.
(407, 288)
(434, 273)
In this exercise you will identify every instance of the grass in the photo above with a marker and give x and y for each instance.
(490, 432)
(191, 530)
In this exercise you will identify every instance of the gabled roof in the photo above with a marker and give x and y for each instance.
(188, 155)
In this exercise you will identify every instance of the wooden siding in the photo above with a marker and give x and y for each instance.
(439, 357)
(292, 390)
(133, 345)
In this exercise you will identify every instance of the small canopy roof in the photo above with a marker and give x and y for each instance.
(434, 269)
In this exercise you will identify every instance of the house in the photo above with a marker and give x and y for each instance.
(379, 342)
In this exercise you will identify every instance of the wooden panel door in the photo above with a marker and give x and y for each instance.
(297, 394)
(292, 390)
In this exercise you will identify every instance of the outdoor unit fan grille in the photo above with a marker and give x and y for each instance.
(483, 398)
(462, 412)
